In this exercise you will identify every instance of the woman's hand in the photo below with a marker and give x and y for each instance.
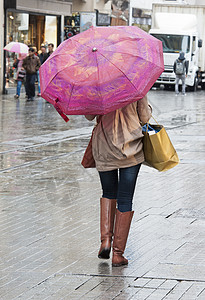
(90, 117)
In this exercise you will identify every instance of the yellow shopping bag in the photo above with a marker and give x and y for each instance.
(158, 150)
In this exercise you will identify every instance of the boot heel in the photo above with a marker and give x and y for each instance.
(105, 253)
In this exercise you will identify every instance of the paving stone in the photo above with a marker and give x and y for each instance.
(168, 284)
(194, 292)
(154, 283)
(179, 290)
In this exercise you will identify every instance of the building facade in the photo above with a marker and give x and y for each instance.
(92, 5)
(44, 21)
(33, 23)
(87, 13)
(140, 11)
(52, 21)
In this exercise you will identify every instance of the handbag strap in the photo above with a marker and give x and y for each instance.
(148, 123)
(154, 119)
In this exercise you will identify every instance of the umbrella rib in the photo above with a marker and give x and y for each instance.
(59, 71)
(66, 66)
(62, 54)
(130, 54)
(120, 71)
(98, 78)
(55, 76)
(70, 95)
(112, 43)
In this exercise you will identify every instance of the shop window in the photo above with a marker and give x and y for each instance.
(17, 30)
(51, 30)
(36, 35)
(72, 25)
(30, 29)
(17, 27)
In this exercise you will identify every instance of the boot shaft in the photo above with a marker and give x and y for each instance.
(107, 217)
(122, 227)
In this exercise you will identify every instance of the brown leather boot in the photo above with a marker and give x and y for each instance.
(122, 227)
(107, 217)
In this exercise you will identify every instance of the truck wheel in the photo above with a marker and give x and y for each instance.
(166, 87)
(203, 85)
(157, 85)
(169, 87)
(194, 87)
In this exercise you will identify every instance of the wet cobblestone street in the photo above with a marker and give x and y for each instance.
(49, 209)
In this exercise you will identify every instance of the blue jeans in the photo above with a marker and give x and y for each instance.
(38, 78)
(18, 88)
(120, 185)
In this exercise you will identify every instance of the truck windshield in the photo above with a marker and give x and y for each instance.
(174, 43)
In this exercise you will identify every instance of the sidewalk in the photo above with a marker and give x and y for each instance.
(49, 209)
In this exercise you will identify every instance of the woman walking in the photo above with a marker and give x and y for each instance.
(118, 153)
(20, 74)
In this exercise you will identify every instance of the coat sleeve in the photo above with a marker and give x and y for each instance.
(90, 117)
(144, 110)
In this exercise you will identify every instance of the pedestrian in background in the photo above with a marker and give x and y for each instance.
(181, 71)
(20, 74)
(37, 75)
(42, 53)
(41, 57)
(50, 51)
(118, 153)
(31, 64)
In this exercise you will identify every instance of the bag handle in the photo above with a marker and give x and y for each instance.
(148, 123)
(154, 120)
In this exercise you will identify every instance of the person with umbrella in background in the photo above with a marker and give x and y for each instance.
(20, 74)
(22, 50)
(41, 57)
(31, 64)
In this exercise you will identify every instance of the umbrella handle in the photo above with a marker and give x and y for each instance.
(61, 113)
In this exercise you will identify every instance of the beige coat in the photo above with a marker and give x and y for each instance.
(117, 139)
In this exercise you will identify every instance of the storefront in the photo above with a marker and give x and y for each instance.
(81, 21)
(33, 23)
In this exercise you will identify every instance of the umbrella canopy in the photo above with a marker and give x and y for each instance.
(17, 47)
(101, 69)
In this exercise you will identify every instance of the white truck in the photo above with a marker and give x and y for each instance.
(181, 28)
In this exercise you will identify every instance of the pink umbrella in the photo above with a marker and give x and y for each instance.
(101, 69)
(17, 47)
